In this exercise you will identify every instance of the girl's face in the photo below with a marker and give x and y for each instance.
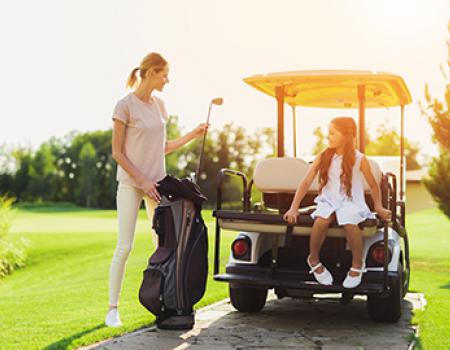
(335, 137)
(161, 78)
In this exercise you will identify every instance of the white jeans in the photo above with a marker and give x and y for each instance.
(129, 200)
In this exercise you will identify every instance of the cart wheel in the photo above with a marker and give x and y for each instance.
(407, 271)
(248, 299)
(389, 308)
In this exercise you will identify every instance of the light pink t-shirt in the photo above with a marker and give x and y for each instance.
(145, 137)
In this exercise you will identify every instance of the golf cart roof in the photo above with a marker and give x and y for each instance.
(334, 88)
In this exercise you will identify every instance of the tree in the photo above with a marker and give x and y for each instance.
(23, 157)
(7, 170)
(42, 172)
(229, 147)
(387, 143)
(87, 160)
(320, 141)
(438, 115)
(173, 132)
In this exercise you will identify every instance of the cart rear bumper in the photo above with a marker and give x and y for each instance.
(263, 277)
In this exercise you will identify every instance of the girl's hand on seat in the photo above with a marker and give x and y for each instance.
(291, 216)
(384, 214)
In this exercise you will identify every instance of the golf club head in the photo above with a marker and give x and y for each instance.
(217, 101)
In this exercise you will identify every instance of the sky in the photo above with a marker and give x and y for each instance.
(64, 64)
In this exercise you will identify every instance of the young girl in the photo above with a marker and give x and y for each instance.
(341, 196)
(138, 146)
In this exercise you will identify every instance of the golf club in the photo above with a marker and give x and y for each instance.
(215, 101)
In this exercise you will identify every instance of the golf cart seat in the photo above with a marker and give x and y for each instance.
(278, 179)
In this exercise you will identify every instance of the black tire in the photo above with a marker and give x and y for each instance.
(407, 271)
(387, 309)
(248, 299)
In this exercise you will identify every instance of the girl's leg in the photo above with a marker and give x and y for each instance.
(128, 202)
(318, 235)
(355, 241)
(151, 205)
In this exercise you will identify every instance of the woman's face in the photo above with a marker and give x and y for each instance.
(335, 137)
(160, 78)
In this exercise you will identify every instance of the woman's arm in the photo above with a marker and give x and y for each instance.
(374, 190)
(118, 141)
(292, 213)
(173, 145)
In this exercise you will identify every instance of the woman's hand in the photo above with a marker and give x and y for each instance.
(150, 189)
(200, 130)
(384, 214)
(291, 216)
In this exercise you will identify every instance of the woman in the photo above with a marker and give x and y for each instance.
(139, 146)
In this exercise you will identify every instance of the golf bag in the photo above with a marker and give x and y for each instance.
(175, 278)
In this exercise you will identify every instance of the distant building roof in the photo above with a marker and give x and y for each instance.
(416, 175)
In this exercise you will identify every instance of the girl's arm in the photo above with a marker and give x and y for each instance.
(374, 190)
(292, 213)
(118, 141)
(173, 145)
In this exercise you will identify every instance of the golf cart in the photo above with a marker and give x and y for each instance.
(268, 253)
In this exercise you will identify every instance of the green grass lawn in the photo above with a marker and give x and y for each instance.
(429, 232)
(59, 300)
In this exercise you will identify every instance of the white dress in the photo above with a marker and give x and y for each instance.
(334, 199)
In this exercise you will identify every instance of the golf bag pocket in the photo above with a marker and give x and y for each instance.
(152, 287)
(197, 267)
(159, 220)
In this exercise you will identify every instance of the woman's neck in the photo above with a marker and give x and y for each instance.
(144, 92)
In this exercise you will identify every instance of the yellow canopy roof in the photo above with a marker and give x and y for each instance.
(334, 88)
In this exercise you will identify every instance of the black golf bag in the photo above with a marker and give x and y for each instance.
(175, 278)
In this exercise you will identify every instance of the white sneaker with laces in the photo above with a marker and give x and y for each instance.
(112, 318)
(324, 277)
(354, 281)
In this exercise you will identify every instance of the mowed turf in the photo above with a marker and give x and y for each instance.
(429, 232)
(59, 300)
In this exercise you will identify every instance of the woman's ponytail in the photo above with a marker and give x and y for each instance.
(132, 79)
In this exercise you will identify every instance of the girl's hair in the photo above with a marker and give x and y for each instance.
(152, 61)
(347, 127)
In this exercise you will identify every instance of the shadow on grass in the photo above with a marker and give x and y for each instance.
(65, 342)
(445, 286)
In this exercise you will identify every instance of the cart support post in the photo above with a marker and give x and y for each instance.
(294, 122)
(402, 149)
(362, 117)
(280, 125)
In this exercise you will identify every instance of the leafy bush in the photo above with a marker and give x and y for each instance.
(438, 181)
(12, 251)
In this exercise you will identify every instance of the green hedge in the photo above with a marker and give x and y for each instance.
(12, 250)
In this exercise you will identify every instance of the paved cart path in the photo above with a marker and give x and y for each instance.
(318, 324)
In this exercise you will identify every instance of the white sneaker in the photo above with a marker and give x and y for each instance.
(324, 277)
(112, 318)
(354, 281)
